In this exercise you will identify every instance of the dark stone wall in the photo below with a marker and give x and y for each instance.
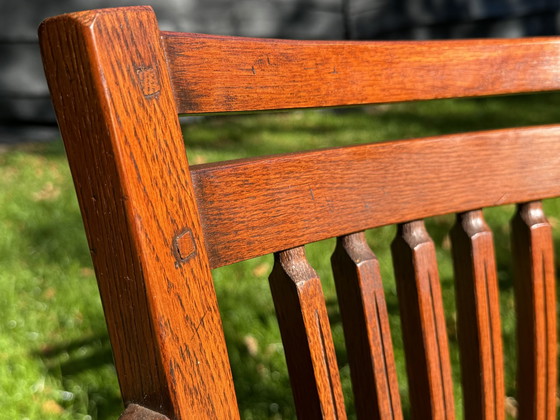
(24, 102)
(429, 19)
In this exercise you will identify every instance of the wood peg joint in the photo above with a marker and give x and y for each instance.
(149, 81)
(184, 247)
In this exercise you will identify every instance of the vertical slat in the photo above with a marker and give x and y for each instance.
(111, 91)
(423, 323)
(366, 329)
(478, 317)
(535, 295)
(306, 334)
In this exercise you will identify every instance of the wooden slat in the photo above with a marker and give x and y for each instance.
(423, 323)
(306, 334)
(258, 206)
(478, 318)
(114, 109)
(535, 293)
(219, 74)
(366, 329)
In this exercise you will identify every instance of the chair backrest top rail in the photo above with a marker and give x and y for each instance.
(214, 74)
(305, 197)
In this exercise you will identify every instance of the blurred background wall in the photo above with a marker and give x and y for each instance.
(25, 110)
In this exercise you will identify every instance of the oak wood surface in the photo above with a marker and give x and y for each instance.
(156, 227)
(535, 299)
(278, 202)
(224, 74)
(478, 318)
(112, 94)
(430, 385)
(306, 335)
(366, 329)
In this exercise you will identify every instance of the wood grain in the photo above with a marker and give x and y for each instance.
(366, 329)
(278, 202)
(156, 227)
(224, 74)
(112, 95)
(478, 317)
(535, 293)
(306, 334)
(423, 323)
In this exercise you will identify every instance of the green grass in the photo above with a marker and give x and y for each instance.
(55, 360)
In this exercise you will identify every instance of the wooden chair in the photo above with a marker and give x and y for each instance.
(157, 226)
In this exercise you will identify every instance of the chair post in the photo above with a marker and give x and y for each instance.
(111, 90)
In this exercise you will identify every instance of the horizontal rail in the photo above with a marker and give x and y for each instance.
(212, 74)
(253, 207)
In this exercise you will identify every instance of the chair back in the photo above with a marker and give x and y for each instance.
(157, 226)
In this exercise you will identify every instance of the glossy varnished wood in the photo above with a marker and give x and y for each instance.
(314, 195)
(156, 227)
(535, 294)
(366, 329)
(111, 91)
(423, 323)
(306, 334)
(478, 317)
(220, 74)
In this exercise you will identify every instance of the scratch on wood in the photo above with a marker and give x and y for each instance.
(162, 328)
(252, 70)
(172, 372)
(501, 200)
(170, 286)
(201, 322)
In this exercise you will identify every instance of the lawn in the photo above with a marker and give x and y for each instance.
(55, 358)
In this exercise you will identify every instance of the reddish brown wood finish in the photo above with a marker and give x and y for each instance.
(306, 334)
(114, 105)
(279, 202)
(366, 329)
(478, 317)
(535, 292)
(154, 232)
(423, 323)
(220, 74)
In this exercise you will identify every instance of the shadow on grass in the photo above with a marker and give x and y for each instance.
(77, 361)
(86, 353)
